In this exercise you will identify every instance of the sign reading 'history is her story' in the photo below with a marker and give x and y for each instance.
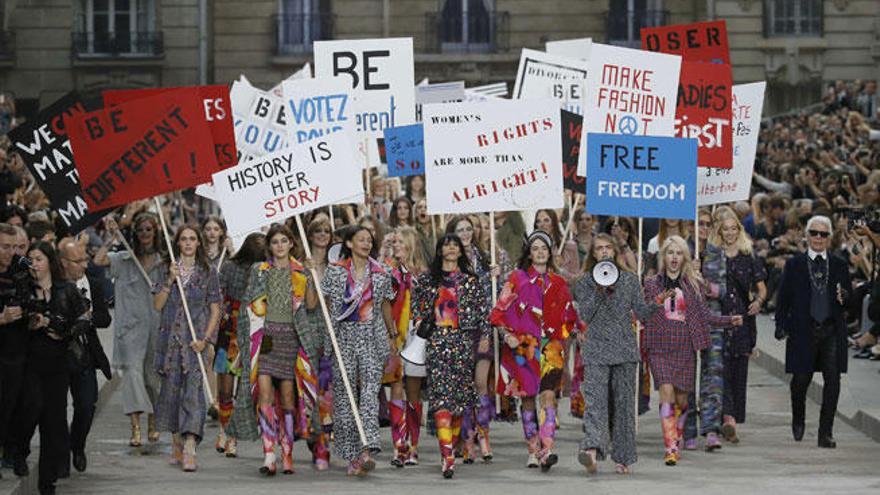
(493, 156)
(631, 92)
(638, 176)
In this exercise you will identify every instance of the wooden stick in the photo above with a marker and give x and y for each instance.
(494, 290)
(697, 236)
(639, 327)
(220, 260)
(575, 200)
(135, 258)
(192, 331)
(641, 226)
(345, 381)
(332, 221)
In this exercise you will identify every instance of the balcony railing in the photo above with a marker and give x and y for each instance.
(480, 33)
(105, 44)
(294, 33)
(623, 28)
(7, 45)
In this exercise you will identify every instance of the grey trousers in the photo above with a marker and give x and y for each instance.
(620, 381)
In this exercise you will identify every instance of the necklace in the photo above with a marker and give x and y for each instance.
(817, 277)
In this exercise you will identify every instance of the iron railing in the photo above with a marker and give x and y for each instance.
(145, 44)
(623, 27)
(294, 33)
(484, 32)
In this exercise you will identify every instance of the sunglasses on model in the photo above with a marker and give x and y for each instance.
(819, 233)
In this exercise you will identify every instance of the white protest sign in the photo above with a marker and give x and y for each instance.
(493, 156)
(275, 187)
(304, 73)
(448, 92)
(260, 121)
(542, 76)
(317, 107)
(577, 48)
(381, 75)
(629, 92)
(718, 185)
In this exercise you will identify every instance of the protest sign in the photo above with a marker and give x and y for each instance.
(449, 92)
(142, 148)
(576, 48)
(295, 180)
(405, 150)
(541, 76)
(493, 156)
(218, 116)
(381, 76)
(571, 142)
(704, 111)
(44, 145)
(697, 42)
(317, 107)
(715, 185)
(629, 92)
(641, 176)
(260, 120)
(304, 73)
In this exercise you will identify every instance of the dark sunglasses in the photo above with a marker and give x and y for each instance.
(819, 233)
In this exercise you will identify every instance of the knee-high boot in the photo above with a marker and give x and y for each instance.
(268, 427)
(484, 416)
(224, 415)
(446, 440)
(547, 435)
(468, 434)
(670, 435)
(397, 411)
(530, 432)
(681, 419)
(413, 428)
(287, 437)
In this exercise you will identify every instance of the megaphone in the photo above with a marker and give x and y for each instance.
(334, 252)
(414, 350)
(605, 273)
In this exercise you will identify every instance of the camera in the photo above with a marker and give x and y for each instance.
(22, 291)
(869, 217)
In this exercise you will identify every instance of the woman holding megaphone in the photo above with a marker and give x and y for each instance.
(535, 315)
(449, 308)
(607, 298)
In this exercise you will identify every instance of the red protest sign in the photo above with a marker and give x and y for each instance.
(705, 112)
(218, 115)
(697, 42)
(142, 148)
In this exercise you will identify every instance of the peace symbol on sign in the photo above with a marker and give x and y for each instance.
(628, 125)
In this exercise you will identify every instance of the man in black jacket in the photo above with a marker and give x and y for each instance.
(83, 377)
(810, 315)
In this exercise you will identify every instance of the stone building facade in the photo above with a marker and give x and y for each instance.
(50, 46)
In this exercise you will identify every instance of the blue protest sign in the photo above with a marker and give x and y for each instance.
(405, 150)
(641, 176)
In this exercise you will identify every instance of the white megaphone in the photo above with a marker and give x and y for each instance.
(605, 273)
(414, 350)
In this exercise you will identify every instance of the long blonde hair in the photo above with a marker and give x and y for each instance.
(743, 241)
(688, 271)
(415, 260)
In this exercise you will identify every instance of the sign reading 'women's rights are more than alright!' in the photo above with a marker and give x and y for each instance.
(641, 176)
(295, 180)
(493, 156)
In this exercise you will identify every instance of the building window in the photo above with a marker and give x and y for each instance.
(117, 27)
(300, 23)
(466, 25)
(626, 18)
(792, 18)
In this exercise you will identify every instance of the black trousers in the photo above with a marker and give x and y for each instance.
(84, 391)
(825, 360)
(12, 375)
(44, 404)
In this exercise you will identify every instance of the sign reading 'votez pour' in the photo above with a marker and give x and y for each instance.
(636, 175)
(381, 75)
(493, 156)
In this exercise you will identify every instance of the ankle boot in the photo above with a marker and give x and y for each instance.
(268, 428)
(397, 411)
(445, 438)
(189, 454)
(413, 428)
(135, 440)
(152, 432)
(670, 435)
(484, 416)
(176, 450)
(547, 434)
(287, 437)
(224, 414)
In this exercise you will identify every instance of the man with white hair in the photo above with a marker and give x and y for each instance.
(816, 338)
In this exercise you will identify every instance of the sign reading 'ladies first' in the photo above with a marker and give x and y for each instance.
(638, 176)
(381, 76)
(493, 156)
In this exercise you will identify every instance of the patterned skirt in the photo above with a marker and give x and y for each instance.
(530, 368)
(226, 352)
(279, 361)
(673, 367)
(450, 368)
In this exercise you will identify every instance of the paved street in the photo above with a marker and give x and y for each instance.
(766, 461)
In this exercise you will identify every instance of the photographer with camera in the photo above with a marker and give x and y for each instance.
(83, 359)
(14, 283)
(57, 315)
(867, 342)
